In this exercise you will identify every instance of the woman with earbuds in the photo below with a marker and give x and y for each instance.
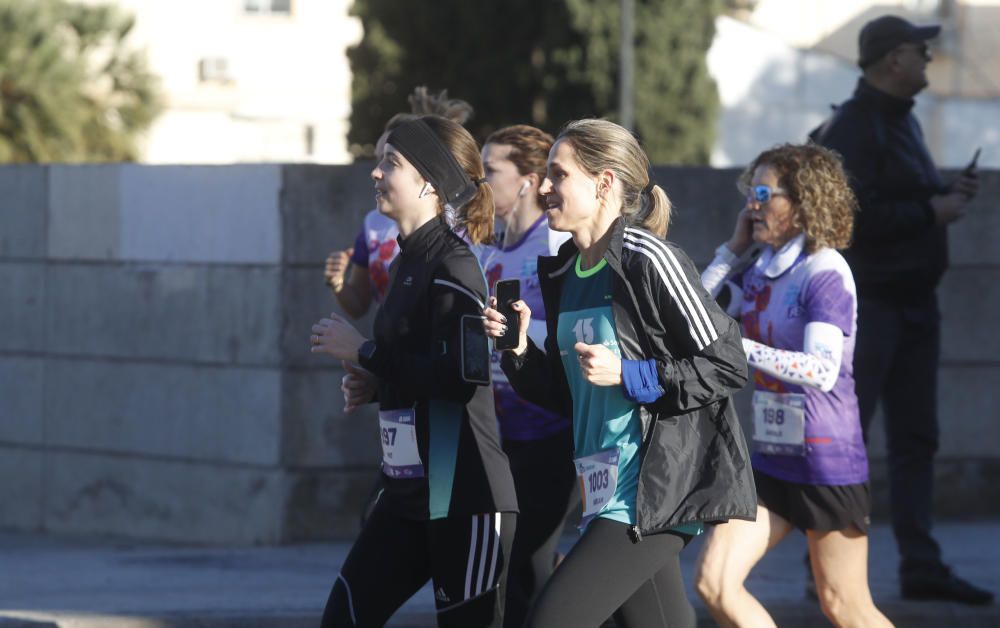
(448, 509)
(538, 442)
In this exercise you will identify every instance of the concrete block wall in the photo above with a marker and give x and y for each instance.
(145, 362)
(155, 377)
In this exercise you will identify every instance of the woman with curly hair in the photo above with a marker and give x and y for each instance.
(798, 308)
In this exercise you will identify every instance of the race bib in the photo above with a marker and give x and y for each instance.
(400, 458)
(598, 476)
(779, 423)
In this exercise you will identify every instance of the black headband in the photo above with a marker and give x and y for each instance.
(424, 149)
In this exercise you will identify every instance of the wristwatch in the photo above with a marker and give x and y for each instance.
(366, 352)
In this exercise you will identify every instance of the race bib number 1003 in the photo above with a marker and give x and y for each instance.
(598, 477)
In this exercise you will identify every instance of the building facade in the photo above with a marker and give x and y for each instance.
(247, 80)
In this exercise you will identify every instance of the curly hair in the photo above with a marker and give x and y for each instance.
(817, 187)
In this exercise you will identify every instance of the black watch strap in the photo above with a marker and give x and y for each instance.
(366, 352)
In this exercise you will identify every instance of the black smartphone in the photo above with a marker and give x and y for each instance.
(475, 351)
(975, 160)
(507, 291)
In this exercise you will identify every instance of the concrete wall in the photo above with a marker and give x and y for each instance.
(155, 378)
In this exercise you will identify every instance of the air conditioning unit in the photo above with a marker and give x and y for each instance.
(214, 69)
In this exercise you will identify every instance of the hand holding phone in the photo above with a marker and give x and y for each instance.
(968, 183)
(507, 291)
(970, 169)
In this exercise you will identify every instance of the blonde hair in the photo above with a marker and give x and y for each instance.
(476, 216)
(602, 145)
(813, 177)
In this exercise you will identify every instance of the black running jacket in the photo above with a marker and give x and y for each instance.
(433, 283)
(695, 466)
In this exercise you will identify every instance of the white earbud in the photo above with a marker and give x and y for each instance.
(424, 191)
(524, 188)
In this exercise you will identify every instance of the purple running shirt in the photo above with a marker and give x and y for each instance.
(519, 419)
(782, 293)
(374, 248)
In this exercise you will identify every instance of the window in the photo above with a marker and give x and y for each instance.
(281, 7)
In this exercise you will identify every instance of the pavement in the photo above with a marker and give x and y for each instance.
(48, 582)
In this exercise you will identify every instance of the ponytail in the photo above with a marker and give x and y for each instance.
(476, 216)
(656, 212)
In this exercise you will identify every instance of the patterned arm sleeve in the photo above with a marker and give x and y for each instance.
(817, 366)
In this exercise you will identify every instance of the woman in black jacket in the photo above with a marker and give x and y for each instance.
(447, 509)
(645, 362)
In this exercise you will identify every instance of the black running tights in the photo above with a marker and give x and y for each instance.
(606, 573)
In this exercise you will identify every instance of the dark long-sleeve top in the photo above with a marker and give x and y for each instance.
(434, 282)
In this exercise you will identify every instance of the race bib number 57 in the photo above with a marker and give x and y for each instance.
(400, 458)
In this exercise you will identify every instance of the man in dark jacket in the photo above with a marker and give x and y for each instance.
(898, 256)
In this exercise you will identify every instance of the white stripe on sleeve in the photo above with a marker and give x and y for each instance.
(700, 325)
(350, 598)
(462, 289)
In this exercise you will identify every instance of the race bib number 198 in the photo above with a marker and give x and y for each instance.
(779, 423)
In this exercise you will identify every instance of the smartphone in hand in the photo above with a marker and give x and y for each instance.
(507, 291)
(972, 164)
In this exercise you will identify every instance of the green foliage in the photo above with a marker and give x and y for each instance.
(70, 90)
(542, 63)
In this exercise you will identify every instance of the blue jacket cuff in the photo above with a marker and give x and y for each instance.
(640, 381)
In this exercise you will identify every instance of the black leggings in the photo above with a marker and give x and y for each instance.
(464, 556)
(545, 480)
(605, 573)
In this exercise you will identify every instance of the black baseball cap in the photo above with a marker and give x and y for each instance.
(883, 34)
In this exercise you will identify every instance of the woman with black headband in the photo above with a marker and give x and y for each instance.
(645, 362)
(447, 512)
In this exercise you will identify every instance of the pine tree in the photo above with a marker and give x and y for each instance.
(542, 63)
(70, 89)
